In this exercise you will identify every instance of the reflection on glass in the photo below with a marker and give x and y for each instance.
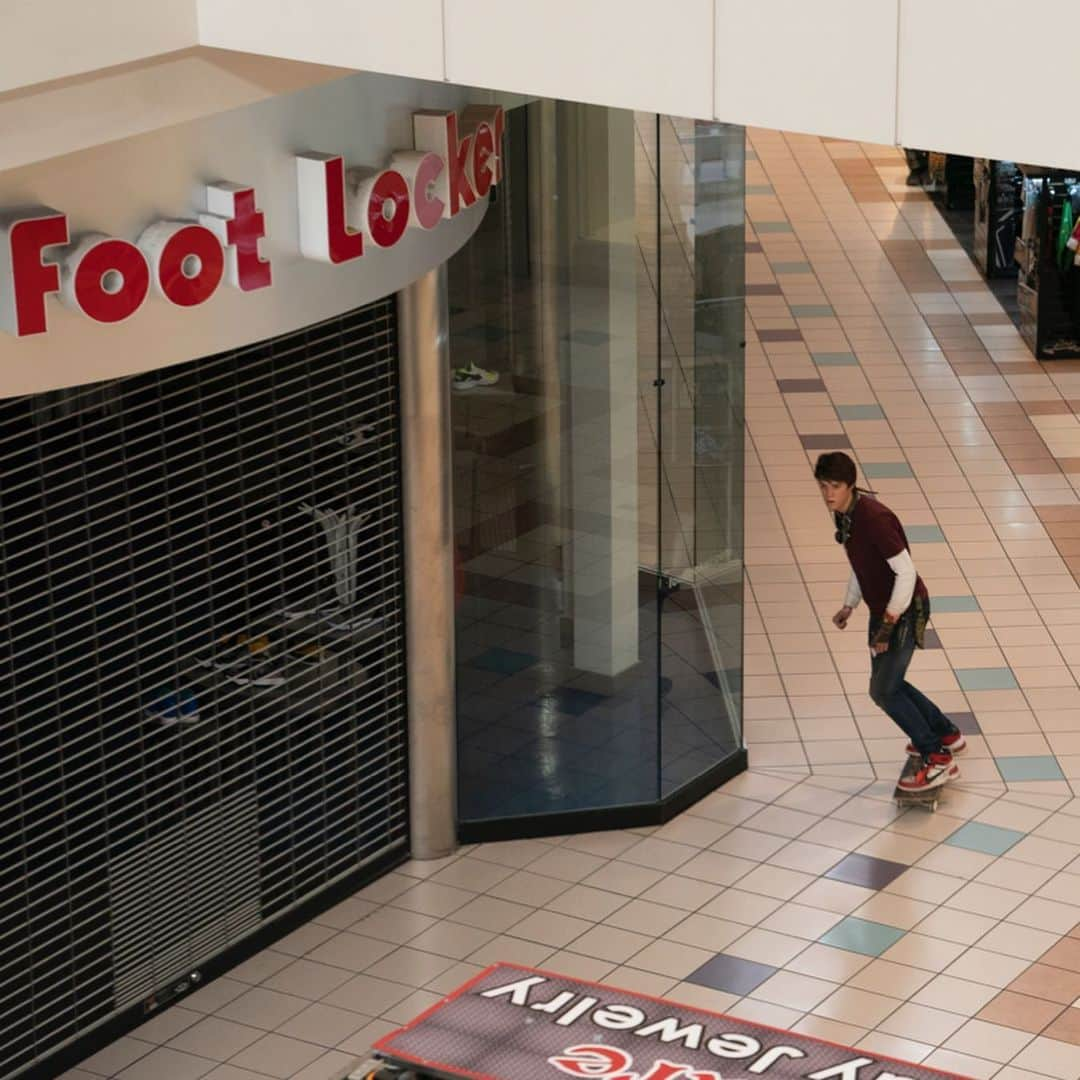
(570, 636)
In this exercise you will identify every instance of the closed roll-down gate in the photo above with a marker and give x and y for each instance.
(202, 681)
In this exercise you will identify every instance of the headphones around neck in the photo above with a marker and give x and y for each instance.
(842, 520)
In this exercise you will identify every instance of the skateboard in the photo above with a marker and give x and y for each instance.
(926, 799)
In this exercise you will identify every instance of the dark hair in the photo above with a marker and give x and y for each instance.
(837, 467)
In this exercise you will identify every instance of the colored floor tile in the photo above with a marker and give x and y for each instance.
(953, 603)
(924, 534)
(731, 974)
(989, 839)
(825, 442)
(966, 722)
(791, 268)
(772, 227)
(862, 936)
(800, 386)
(886, 470)
(1030, 768)
(984, 678)
(867, 871)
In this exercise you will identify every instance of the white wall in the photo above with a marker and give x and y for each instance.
(122, 187)
(794, 64)
(637, 54)
(399, 37)
(991, 79)
(89, 110)
(52, 39)
(940, 74)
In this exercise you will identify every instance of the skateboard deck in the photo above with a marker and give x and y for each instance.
(926, 799)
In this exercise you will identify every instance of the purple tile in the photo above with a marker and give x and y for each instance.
(731, 974)
(801, 386)
(966, 722)
(825, 442)
(753, 247)
(867, 871)
(779, 335)
(931, 639)
(764, 290)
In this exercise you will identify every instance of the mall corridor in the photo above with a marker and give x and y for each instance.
(799, 896)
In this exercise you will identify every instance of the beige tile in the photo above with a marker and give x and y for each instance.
(858, 1007)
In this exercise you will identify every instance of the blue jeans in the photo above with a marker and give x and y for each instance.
(910, 709)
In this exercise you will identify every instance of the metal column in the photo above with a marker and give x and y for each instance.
(423, 332)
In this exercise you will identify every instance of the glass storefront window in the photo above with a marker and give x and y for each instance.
(597, 468)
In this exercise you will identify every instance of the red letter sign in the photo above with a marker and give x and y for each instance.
(324, 233)
(482, 161)
(493, 117)
(438, 133)
(384, 204)
(106, 280)
(25, 278)
(186, 261)
(233, 218)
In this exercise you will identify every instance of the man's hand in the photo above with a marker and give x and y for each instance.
(883, 636)
(840, 619)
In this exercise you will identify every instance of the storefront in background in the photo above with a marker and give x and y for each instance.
(598, 484)
(267, 379)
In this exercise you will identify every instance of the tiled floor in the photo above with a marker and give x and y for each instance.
(798, 895)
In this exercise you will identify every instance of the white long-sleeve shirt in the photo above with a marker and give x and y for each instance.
(903, 586)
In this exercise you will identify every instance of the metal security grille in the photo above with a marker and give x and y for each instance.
(202, 683)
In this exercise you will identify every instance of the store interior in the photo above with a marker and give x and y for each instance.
(598, 466)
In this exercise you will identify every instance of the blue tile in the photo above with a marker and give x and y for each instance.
(887, 470)
(862, 936)
(860, 412)
(985, 678)
(811, 311)
(504, 661)
(953, 603)
(989, 839)
(772, 226)
(731, 974)
(835, 359)
(760, 189)
(1029, 768)
(791, 268)
(924, 534)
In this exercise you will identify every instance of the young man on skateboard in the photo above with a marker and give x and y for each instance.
(883, 575)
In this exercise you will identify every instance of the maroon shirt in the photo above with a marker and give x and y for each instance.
(876, 536)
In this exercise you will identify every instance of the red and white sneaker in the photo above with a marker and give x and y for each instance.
(954, 743)
(937, 769)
